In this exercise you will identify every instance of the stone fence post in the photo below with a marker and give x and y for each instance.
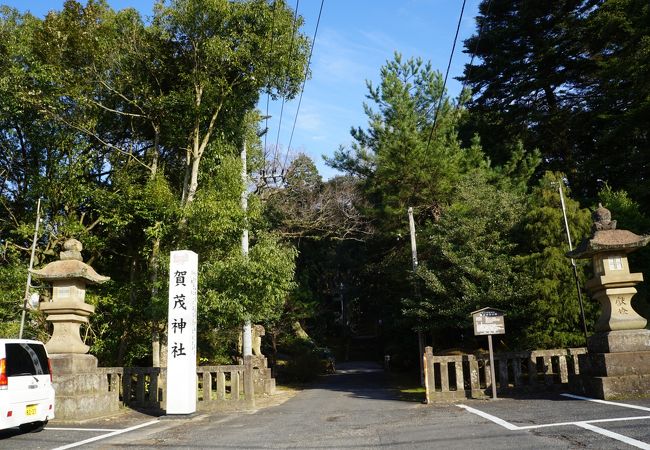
(454, 377)
(249, 389)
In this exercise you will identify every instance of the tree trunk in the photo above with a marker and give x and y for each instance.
(193, 179)
(121, 351)
(155, 347)
(153, 279)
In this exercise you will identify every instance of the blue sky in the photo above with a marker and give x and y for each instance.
(355, 38)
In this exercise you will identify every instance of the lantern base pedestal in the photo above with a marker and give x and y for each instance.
(611, 388)
(617, 366)
(82, 389)
(262, 377)
(619, 341)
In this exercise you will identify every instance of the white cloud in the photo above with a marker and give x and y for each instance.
(309, 120)
(336, 60)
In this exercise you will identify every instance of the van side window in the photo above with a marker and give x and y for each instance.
(26, 359)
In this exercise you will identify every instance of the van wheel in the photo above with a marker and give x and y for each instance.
(33, 427)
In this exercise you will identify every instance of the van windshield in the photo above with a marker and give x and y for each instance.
(26, 359)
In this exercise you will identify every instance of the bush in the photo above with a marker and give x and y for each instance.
(300, 368)
(304, 362)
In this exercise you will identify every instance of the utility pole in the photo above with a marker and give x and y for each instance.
(414, 260)
(29, 272)
(573, 264)
(247, 332)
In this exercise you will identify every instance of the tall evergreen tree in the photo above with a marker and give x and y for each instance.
(570, 78)
(526, 81)
(551, 313)
(402, 162)
(618, 36)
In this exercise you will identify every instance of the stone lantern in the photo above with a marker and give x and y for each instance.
(618, 360)
(82, 390)
(68, 310)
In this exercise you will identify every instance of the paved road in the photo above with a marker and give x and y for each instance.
(355, 409)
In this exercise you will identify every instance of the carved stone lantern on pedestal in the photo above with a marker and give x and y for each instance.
(68, 310)
(617, 364)
(81, 389)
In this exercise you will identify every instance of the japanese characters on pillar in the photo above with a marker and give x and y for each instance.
(181, 333)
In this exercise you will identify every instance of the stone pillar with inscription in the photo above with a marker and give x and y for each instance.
(617, 364)
(181, 334)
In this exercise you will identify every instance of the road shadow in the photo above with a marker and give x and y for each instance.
(368, 380)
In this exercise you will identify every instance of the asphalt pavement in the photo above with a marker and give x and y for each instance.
(356, 408)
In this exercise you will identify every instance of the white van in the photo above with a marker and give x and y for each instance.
(26, 392)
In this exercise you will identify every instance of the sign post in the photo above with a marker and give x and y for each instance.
(181, 332)
(489, 321)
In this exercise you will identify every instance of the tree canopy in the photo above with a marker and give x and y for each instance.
(131, 132)
(569, 78)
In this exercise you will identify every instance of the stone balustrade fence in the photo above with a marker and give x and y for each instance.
(218, 387)
(454, 377)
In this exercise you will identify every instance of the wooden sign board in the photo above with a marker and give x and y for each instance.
(488, 321)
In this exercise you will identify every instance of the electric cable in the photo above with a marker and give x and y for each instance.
(444, 84)
(304, 81)
(293, 34)
(478, 40)
(268, 65)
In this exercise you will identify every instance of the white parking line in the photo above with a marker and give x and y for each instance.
(586, 424)
(618, 437)
(606, 402)
(490, 417)
(103, 430)
(560, 424)
(105, 436)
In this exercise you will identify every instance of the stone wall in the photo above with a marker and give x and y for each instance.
(468, 376)
(102, 391)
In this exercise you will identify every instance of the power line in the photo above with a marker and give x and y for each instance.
(268, 66)
(478, 40)
(311, 51)
(293, 33)
(444, 84)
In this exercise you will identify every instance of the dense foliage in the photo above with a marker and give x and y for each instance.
(570, 78)
(130, 132)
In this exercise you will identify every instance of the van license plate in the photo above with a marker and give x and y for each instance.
(30, 410)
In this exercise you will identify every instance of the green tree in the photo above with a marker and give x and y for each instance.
(131, 133)
(395, 157)
(469, 256)
(322, 219)
(526, 81)
(618, 36)
(401, 162)
(569, 78)
(551, 312)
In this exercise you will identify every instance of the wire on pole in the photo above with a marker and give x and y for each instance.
(573, 263)
(284, 97)
(444, 84)
(311, 51)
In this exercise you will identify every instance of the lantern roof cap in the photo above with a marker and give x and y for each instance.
(70, 266)
(606, 238)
